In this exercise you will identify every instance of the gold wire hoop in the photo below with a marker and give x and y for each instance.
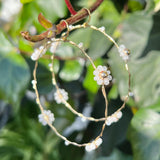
(64, 39)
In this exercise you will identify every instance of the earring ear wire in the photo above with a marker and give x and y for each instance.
(68, 30)
(89, 18)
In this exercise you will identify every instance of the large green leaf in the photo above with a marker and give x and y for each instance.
(71, 70)
(144, 135)
(144, 64)
(116, 155)
(14, 72)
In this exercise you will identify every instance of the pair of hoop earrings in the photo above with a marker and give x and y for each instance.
(101, 75)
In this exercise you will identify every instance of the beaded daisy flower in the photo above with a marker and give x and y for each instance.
(38, 52)
(93, 145)
(46, 116)
(124, 52)
(102, 75)
(60, 96)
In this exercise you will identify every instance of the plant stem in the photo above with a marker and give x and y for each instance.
(78, 17)
(62, 25)
(70, 7)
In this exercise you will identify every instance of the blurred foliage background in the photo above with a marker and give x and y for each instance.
(135, 23)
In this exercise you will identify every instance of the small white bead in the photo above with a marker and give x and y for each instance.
(109, 121)
(34, 57)
(70, 27)
(90, 147)
(38, 52)
(119, 114)
(109, 77)
(34, 82)
(98, 142)
(106, 81)
(66, 143)
(102, 29)
(99, 81)
(114, 119)
(93, 145)
(83, 119)
(80, 45)
(100, 68)
(104, 68)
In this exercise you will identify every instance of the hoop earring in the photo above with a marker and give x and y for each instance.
(102, 76)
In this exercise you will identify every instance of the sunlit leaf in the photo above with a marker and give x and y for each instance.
(44, 22)
(26, 1)
(71, 70)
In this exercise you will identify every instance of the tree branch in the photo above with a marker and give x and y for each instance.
(70, 7)
(62, 25)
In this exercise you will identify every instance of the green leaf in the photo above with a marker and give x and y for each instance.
(26, 1)
(28, 16)
(44, 22)
(88, 82)
(71, 70)
(14, 72)
(53, 8)
(113, 92)
(145, 60)
(116, 155)
(97, 50)
(135, 5)
(144, 135)
(157, 5)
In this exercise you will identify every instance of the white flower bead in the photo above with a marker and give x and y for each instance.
(102, 75)
(60, 96)
(46, 116)
(93, 145)
(124, 52)
(38, 52)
